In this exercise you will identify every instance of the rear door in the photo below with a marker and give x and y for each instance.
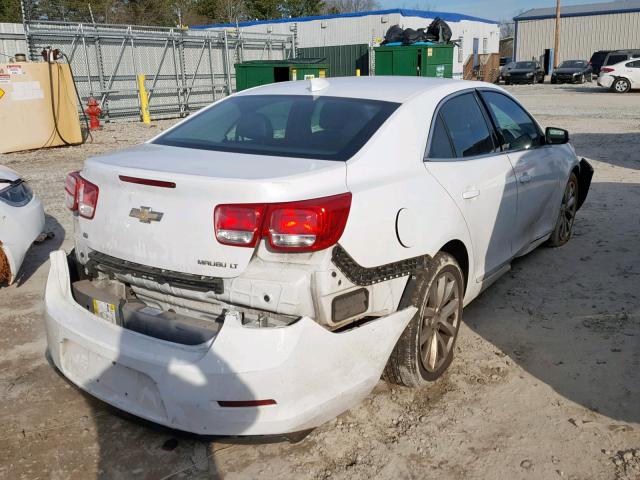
(537, 168)
(463, 157)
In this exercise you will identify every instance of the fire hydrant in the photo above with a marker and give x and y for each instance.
(94, 111)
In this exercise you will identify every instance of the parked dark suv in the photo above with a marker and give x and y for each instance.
(597, 60)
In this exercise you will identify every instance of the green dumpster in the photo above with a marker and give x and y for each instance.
(262, 72)
(424, 60)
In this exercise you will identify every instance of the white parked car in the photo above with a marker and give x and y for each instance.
(253, 269)
(21, 222)
(621, 77)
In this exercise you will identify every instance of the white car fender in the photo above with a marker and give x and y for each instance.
(19, 227)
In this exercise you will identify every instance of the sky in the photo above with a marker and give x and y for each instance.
(491, 9)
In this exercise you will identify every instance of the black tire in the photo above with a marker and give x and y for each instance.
(425, 349)
(507, 82)
(554, 81)
(621, 85)
(567, 215)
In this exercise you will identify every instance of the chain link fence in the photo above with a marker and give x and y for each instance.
(185, 69)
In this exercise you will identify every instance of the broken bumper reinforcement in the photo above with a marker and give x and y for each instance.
(302, 374)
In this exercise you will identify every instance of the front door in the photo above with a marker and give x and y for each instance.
(535, 165)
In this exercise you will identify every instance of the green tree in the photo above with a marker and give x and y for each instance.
(302, 8)
(264, 9)
(10, 11)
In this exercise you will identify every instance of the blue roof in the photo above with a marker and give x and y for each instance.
(448, 17)
(626, 6)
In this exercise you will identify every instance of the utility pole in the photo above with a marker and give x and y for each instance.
(556, 48)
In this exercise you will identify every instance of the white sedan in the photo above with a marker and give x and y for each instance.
(621, 77)
(255, 268)
(21, 222)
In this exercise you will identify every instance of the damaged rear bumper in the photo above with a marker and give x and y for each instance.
(311, 374)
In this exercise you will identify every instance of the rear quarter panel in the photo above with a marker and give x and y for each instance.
(388, 176)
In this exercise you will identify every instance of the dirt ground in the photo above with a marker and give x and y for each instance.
(545, 385)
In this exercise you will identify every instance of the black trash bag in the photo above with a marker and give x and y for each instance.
(394, 34)
(425, 36)
(440, 30)
(411, 36)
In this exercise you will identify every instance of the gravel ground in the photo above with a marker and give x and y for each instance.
(546, 382)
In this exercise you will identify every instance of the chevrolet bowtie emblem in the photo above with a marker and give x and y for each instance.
(146, 214)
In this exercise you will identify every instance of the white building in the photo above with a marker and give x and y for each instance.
(584, 29)
(475, 34)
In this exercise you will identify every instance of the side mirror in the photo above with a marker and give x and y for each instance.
(556, 136)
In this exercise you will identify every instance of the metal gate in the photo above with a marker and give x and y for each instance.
(185, 69)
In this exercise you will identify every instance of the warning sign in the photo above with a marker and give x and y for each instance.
(14, 70)
(1, 93)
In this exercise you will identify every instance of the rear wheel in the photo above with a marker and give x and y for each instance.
(564, 225)
(425, 349)
(621, 85)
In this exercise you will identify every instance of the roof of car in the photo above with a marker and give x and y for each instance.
(387, 88)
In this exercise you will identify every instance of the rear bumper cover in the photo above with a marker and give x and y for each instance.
(605, 81)
(311, 373)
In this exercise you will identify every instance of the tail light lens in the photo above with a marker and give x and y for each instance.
(81, 195)
(607, 69)
(309, 225)
(304, 226)
(238, 224)
(71, 184)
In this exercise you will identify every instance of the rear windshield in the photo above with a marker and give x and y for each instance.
(525, 65)
(613, 59)
(325, 128)
(573, 64)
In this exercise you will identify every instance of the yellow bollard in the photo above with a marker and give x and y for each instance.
(144, 101)
(357, 72)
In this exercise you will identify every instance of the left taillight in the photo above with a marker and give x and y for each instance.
(81, 195)
(303, 226)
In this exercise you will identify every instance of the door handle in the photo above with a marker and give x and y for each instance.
(525, 178)
(471, 193)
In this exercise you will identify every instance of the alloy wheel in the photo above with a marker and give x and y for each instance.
(440, 319)
(568, 211)
(621, 86)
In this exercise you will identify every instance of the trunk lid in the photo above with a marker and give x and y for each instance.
(183, 239)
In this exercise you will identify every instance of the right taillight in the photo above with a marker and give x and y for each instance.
(607, 70)
(303, 226)
(81, 195)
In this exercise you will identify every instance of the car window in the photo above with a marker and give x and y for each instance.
(325, 128)
(525, 65)
(468, 130)
(613, 59)
(573, 64)
(635, 64)
(440, 143)
(518, 130)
